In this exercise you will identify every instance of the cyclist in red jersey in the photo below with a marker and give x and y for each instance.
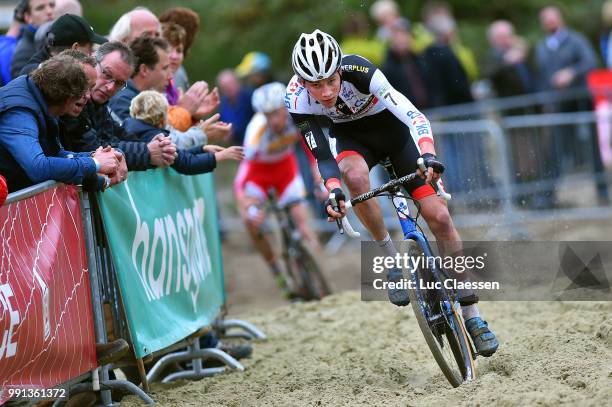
(270, 164)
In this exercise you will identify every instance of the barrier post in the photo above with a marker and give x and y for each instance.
(99, 326)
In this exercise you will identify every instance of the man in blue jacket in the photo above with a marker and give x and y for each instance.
(34, 14)
(30, 151)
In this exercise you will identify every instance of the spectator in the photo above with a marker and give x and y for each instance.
(29, 148)
(175, 35)
(255, 69)
(149, 117)
(8, 42)
(61, 7)
(605, 40)
(434, 14)
(404, 69)
(384, 12)
(510, 75)
(235, 107)
(565, 56)
(95, 126)
(68, 31)
(35, 13)
(133, 24)
(448, 81)
(190, 21)
(356, 39)
(448, 84)
(192, 104)
(507, 63)
(563, 61)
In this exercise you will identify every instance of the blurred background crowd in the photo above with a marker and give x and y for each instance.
(437, 53)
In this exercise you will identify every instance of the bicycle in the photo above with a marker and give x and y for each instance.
(304, 276)
(437, 310)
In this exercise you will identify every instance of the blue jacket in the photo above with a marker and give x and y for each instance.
(30, 151)
(189, 162)
(96, 127)
(7, 49)
(238, 113)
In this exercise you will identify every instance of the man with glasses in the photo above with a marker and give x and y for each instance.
(95, 126)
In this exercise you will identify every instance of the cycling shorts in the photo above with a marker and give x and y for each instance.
(376, 137)
(256, 178)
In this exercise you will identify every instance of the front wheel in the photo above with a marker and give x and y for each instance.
(439, 320)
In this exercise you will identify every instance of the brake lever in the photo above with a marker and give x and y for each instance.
(335, 207)
(437, 186)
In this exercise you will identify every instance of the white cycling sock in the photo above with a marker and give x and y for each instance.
(469, 311)
(387, 246)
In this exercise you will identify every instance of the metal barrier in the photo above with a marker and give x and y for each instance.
(105, 290)
(519, 159)
(97, 275)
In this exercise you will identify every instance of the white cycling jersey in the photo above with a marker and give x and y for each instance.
(364, 91)
(263, 145)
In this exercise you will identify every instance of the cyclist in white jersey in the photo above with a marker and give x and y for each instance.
(270, 164)
(371, 121)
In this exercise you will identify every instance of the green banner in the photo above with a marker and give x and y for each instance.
(163, 233)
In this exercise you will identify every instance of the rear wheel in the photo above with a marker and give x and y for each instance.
(313, 281)
(304, 270)
(442, 326)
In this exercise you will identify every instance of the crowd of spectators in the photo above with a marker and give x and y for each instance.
(426, 61)
(76, 114)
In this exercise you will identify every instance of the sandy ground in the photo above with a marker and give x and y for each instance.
(342, 351)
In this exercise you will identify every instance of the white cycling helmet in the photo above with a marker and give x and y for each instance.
(270, 97)
(316, 56)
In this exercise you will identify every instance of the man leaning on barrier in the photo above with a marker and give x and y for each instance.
(30, 151)
(95, 126)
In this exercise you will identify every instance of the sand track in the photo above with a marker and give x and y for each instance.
(342, 351)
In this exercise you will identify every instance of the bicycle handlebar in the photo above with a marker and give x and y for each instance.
(436, 186)
(344, 225)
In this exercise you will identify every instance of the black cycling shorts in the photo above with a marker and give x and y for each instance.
(375, 138)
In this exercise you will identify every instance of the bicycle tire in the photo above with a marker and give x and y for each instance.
(448, 333)
(313, 280)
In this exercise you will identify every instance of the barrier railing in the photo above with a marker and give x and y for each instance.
(97, 265)
(521, 158)
(46, 331)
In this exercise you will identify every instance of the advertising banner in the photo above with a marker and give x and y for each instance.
(163, 234)
(46, 317)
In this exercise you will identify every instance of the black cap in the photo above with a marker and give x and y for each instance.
(69, 29)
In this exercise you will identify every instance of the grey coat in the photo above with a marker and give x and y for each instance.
(574, 52)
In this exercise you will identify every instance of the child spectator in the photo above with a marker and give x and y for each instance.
(149, 117)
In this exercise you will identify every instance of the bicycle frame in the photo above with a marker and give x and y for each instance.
(434, 314)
